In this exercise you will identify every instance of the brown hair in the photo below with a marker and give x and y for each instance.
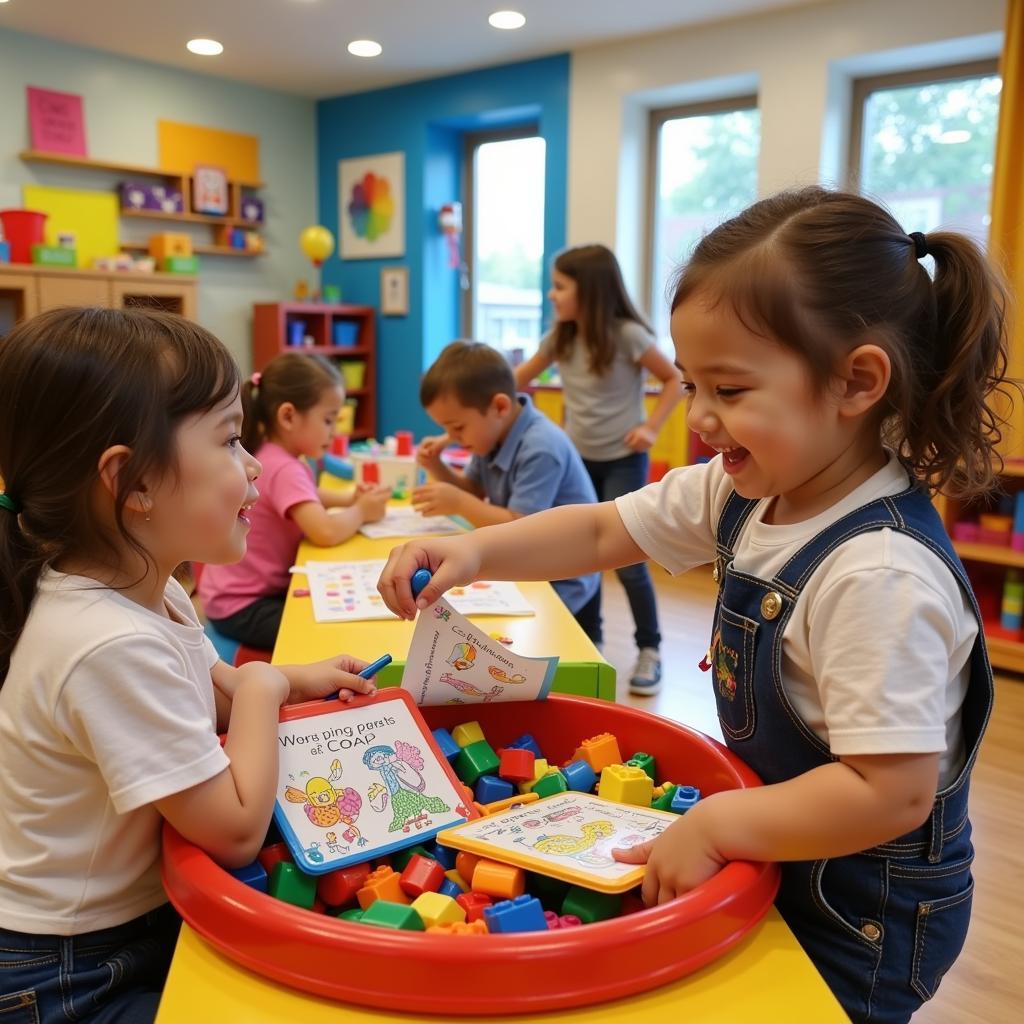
(601, 302)
(821, 272)
(472, 371)
(77, 381)
(295, 377)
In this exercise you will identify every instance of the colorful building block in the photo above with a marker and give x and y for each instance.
(400, 858)
(490, 788)
(477, 758)
(590, 906)
(253, 875)
(455, 878)
(272, 854)
(564, 921)
(515, 764)
(522, 914)
(551, 783)
(467, 733)
(460, 928)
(399, 916)
(580, 776)
(642, 760)
(352, 914)
(664, 802)
(527, 742)
(540, 769)
(450, 888)
(420, 875)
(465, 862)
(434, 908)
(291, 885)
(474, 904)
(599, 751)
(684, 798)
(339, 887)
(625, 785)
(550, 891)
(495, 879)
(169, 243)
(446, 742)
(444, 855)
(381, 884)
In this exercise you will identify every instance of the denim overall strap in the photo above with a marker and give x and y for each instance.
(870, 921)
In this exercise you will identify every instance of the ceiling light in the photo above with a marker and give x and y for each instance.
(364, 48)
(506, 19)
(954, 135)
(204, 47)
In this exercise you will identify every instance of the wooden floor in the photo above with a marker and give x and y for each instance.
(987, 982)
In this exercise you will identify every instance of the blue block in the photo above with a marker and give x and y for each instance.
(449, 888)
(490, 788)
(253, 875)
(523, 914)
(684, 798)
(580, 776)
(526, 742)
(444, 855)
(449, 747)
(337, 466)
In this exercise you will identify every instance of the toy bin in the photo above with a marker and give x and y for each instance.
(494, 974)
(22, 229)
(353, 372)
(345, 333)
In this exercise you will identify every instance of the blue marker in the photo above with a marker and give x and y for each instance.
(369, 672)
(420, 578)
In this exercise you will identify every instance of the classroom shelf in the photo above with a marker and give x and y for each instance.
(200, 249)
(41, 157)
(989, 553)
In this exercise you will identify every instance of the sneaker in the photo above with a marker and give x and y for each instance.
(646, 678)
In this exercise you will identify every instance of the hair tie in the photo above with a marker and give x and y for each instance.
(255, 379)
(7, 501)
(920, 244)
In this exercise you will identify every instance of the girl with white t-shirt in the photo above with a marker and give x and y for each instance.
(840, 383)
(120, 459)
(605, 351)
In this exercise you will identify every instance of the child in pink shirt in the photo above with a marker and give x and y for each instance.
(290, 410)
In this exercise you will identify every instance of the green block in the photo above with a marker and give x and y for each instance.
(180, 265)
(393, 915)
(642, 760)
(590, 906)
(664, 802)
(401, 858)
(54, 256)
(293, 886)
(550, 891)
(551, 784)
(352, 914)
(475, 760)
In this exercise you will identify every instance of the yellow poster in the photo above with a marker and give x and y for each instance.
(92, 216)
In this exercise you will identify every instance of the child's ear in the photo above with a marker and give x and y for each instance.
(863, 379)
(501, 403)
(109, 467)
(286, 415)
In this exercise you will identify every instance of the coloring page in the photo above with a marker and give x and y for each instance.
(407, 522)
(450, 661)
(357, 781)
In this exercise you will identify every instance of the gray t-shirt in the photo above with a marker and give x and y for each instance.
(600, 410)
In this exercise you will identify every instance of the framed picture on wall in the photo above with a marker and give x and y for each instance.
(209, 189)
(394, 291)
(371, 205)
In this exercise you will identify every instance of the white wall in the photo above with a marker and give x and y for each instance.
(123, 100)
(800, 63)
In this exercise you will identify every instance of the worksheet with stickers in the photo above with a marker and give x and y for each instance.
(347, 592)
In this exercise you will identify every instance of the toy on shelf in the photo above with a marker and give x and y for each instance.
(317, 243)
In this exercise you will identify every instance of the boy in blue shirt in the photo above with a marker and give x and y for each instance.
(521, 462)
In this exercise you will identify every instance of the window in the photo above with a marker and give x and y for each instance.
(924, 144)
(703, 171)
(505, 242)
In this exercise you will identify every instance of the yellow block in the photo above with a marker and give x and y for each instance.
(540, 769)
(182, 146)
(92, 216)
(466, 733)
(625, 785)
(436, 908)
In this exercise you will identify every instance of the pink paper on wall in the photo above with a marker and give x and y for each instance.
(56, 123)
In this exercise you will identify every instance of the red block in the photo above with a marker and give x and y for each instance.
(340, 887)
(473, 903)
(516, 765)
(270, 855)
(421, 874)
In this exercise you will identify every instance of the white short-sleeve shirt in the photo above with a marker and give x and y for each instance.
(876, 654)
(107, 707)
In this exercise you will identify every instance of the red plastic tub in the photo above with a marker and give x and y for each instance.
(495, 974)
(23, 229)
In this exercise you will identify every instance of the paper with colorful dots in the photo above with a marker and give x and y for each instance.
(347, 592)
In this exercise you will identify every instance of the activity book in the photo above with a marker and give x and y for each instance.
(360, 780)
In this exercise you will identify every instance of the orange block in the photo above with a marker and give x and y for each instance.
(381, 884)
(496, 879)
(460, 928)
(465, 863)
(169, 243)
(599, 751)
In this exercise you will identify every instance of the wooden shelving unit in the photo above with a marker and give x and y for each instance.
(985, 563)
(271, 327)
(182, 182)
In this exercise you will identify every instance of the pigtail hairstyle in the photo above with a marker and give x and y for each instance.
(601, 300)
(821, 272)
(294, 377)
(77, 382)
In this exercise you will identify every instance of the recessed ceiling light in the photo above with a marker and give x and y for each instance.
(204, 47)
(506, 19)
(364, 48)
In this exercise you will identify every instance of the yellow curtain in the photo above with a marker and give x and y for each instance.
(1006, 235)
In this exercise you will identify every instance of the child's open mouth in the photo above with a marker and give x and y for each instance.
(733, 458)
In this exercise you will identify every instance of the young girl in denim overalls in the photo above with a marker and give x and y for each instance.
(839, 381)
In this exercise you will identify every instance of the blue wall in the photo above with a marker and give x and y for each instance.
(427, 121)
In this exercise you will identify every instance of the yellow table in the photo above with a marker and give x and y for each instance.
(553, 630)
(765, 978)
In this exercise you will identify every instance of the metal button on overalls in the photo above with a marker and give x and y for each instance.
(771, 604)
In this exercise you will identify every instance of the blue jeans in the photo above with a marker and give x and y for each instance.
(102, 977)
(612, 479)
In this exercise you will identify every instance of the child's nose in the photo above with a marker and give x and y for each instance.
(699, 416)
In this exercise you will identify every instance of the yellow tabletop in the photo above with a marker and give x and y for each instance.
(552, 630)
(766, 978)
